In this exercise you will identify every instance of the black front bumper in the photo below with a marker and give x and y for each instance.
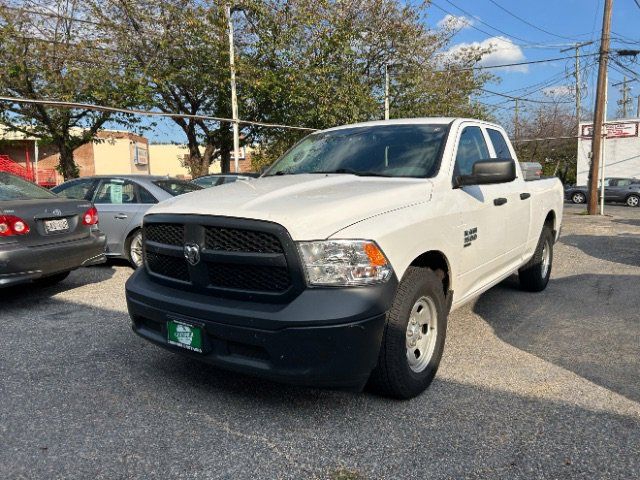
(323, 337)
(21, 264)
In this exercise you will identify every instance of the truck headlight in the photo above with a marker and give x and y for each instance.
(344, 262)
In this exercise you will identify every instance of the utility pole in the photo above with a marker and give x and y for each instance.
(386, 91)
(577, 48)
(625, 101)
(596, 143)
(234, 98)
(638, 108)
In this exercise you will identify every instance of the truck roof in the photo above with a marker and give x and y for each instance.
(411, 121)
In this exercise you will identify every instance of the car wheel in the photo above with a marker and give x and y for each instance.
(633, 200)
(534, 276)
(413, 338)
(51, 279)
(134, 249)
(578, 197)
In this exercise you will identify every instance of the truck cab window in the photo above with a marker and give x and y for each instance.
(471, 148)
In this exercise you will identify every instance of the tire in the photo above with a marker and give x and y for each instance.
(133, 249)
(395, 374)
(578, 197)
(633, 201)
(51, 279)
(534, 276)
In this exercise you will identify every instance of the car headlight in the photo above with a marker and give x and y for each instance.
(344, 262)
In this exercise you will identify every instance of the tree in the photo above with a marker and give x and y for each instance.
(57, 53)
(557, 155)
(183, 49)
(320, 64)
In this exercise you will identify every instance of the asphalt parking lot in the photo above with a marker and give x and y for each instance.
(531, 386)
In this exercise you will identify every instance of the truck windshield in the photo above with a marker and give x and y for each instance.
(381, 151)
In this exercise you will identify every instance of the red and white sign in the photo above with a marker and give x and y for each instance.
(614, 130)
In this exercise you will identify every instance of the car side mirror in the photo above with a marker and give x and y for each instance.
(484, 172)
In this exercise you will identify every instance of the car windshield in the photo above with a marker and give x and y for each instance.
(15, 188)
(382, 151)
(177, 187)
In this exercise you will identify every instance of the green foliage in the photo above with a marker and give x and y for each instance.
(63, 59)
(320, 64)
(306, 63)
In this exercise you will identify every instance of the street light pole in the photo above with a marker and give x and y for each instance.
(234, 98)
(386, 91)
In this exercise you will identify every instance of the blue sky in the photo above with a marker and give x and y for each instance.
(560, 24)
(565, 22)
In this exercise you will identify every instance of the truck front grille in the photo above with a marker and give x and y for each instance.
(168, 266)
(237, 257)
(236, 240)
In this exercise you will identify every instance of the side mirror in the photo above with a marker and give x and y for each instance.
(496, 170)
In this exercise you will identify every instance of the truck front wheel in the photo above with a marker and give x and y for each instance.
(534, 276)
(414, 335)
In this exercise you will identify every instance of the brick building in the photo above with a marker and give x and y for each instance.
(113, 152)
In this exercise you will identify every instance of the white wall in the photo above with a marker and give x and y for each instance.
(622, 156)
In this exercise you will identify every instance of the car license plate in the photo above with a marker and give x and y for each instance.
(56, 225)
(184, 335)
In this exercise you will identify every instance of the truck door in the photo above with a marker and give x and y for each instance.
(481, 223)
(516, 211)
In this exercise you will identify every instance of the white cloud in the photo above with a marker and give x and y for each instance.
(559, 90)
(501, 51)
(453, 22)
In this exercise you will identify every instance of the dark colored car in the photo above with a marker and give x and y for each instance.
(122, 200)
(43, 236)
(216, 179)
(624, 190)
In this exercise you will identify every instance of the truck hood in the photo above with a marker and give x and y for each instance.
(309, 206)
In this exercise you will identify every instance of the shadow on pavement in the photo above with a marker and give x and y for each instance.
(622, 248)
(83, 397)
(32, 292)
(588, 324)
(628, 221)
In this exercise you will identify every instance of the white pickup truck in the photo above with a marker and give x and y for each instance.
(339, 266)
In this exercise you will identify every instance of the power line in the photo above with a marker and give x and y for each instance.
(485, 23)
(100, 108)
(531, 24)
(521, 98)
(489, 34)
(530, 62)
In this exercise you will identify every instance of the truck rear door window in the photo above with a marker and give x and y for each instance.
(499, 144)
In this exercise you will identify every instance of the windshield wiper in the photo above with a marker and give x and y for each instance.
(353, 172)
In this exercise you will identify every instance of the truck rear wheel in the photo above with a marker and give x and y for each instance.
(534, 276)
(413, 338)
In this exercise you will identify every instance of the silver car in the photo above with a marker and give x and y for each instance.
(122, 201)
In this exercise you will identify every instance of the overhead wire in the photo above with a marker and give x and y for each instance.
(529, 23)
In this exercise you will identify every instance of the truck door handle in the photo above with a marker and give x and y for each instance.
(120, 216)
(524, 196)
(499, 201)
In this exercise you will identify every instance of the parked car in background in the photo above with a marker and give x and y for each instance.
(121, 201)
(626, 190)
(43, 236)
(216, 179)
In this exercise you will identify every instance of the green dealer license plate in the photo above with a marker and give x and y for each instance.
(184, 335)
